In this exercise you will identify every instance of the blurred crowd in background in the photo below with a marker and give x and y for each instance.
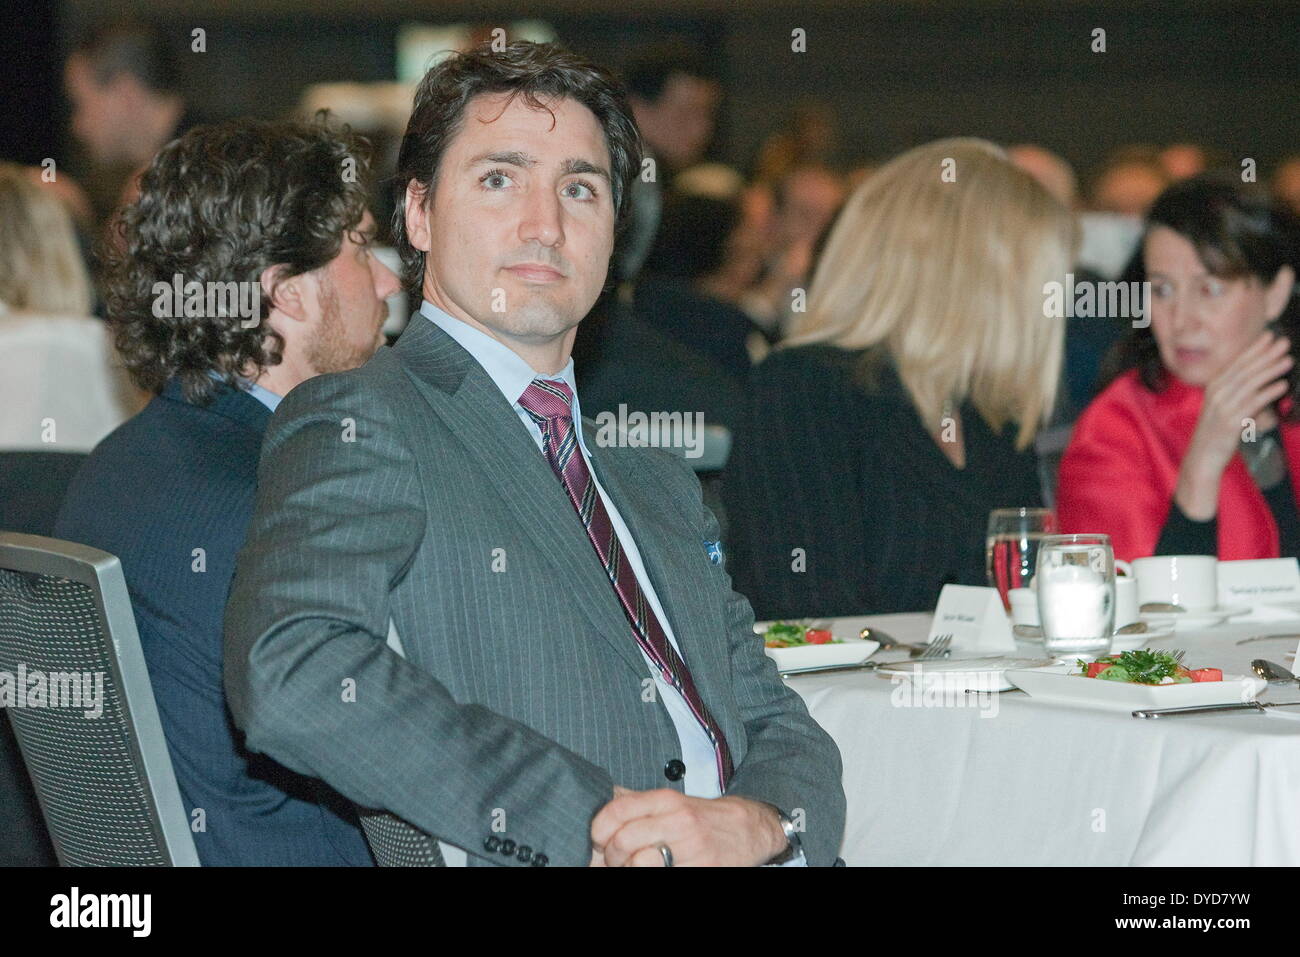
(712, 272)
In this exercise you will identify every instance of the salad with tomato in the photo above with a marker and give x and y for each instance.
(1146, 667)
(782, 634)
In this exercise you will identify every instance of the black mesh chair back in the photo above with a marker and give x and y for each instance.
(398, 843)
(83, 710)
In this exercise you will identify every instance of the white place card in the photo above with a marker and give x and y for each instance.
(1259, 581)
(975, 618)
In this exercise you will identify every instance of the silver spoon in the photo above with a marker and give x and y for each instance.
(1272, 672)
(889, 643)
(1161, 607)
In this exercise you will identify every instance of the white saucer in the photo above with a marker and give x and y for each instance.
(1194, 619)
(1118, 642)
(1140, 640)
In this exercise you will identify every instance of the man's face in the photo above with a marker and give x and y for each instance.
(349, 304)
(1129, 189)
(679, 125)
(812, 197)
(521, 224)
(100, 112)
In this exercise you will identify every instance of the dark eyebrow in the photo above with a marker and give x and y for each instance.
(524, 161)
(572, 166)
(506, 157)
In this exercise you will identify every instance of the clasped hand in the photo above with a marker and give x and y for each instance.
(700, 832)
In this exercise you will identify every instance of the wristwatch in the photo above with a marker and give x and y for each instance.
(793, 847)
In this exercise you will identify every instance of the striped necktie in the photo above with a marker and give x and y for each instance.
(549, 404)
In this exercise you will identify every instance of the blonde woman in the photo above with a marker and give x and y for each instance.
(61, 387)
(903, 407)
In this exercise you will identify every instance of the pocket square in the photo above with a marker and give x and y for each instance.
(714, 551)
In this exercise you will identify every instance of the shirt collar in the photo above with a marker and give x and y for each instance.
(260, 393)
(511, 373)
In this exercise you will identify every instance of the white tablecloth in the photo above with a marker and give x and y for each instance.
(1045, 784)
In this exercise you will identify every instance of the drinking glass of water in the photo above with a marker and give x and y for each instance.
(1076, 594)
(1011, 552)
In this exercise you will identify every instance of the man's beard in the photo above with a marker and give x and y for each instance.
(331, 350)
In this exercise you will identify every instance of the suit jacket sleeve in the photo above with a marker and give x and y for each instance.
(791, 762)
(1108, 481)
(309, 674)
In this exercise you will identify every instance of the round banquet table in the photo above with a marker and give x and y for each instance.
(1022, 782)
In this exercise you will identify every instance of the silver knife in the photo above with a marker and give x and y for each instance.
(1213, 708)
(824, 669)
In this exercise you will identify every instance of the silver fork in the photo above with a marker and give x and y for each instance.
(936, 649)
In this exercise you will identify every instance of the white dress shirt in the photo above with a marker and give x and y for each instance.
(260, 393)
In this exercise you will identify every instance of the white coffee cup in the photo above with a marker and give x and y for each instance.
(1190, 581)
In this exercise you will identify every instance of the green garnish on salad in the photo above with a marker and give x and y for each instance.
(1145, 667)
(782, 634)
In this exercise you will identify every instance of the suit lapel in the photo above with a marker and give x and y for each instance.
(672, 562)
(468, 401)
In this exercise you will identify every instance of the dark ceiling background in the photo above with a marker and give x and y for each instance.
(1226, 74)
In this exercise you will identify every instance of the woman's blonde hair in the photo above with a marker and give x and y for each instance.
(939, 260)
(41, 269)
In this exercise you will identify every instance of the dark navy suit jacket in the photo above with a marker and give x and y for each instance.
(176, 479)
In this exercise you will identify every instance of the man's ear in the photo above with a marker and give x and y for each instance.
(286, 293)
(417, 217)
(1278, 292)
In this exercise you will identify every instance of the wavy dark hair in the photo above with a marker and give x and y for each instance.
(1238, 231)
(221, 204)
(522, 68)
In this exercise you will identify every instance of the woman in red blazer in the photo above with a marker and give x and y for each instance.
(1194, 447)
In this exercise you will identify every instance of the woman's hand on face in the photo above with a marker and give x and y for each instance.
(1246, 389)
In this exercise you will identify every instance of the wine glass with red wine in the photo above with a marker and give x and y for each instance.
(1012, 546)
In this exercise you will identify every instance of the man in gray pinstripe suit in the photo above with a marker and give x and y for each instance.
(456, 606)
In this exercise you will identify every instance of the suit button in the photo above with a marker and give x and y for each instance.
(525, 853)
(540, 860)
(674, 770)
(507, 847)
(492, 843)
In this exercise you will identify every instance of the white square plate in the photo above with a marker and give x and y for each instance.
(848, 650)
(1055, 683)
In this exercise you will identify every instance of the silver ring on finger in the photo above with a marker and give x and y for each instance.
(667, 855)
